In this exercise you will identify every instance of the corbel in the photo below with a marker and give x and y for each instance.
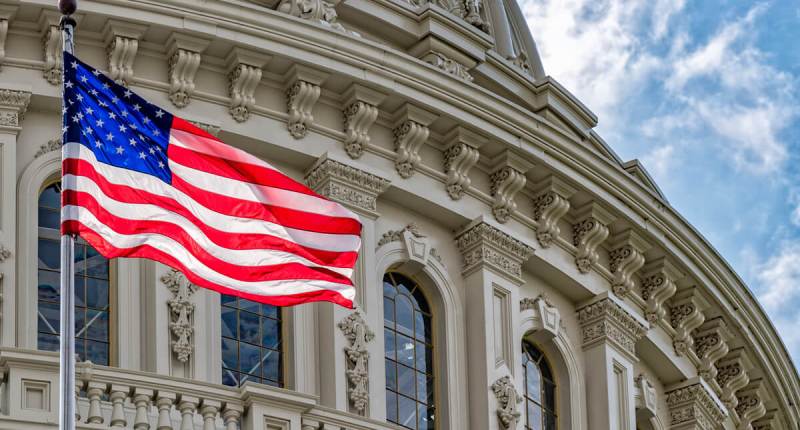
(52, 47)
(751, 403)
(7, 13)
(244, 74)
(460, 156)
(410, 132)
(551, 202)
(685, 315)
(507, 179)
(770, 421)
(626, 256)
(302, 91)
(710, 345)
(122, 43)
(588, 232)
(732, 376)
(184, 53)
(659, 283)
(360, 112)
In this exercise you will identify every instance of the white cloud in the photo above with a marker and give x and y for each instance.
(663, 11)
(779, 292)
(659, 161)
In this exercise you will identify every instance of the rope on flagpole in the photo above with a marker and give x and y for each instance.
(67, 331)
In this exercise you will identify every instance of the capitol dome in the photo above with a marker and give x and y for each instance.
(515, 273)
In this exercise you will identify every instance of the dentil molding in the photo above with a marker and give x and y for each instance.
(352, 187)
(549, 205)
(181, 313)
(357, 332)
(507, 400)
(484, 246)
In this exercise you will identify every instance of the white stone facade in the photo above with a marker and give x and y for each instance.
(473, 172)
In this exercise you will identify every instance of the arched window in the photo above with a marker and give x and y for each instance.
(92, 321)
(409, 353)
(540, 389)
(251, 342)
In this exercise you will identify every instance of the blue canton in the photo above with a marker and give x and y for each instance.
(121, 128)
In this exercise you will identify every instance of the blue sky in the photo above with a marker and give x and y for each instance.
(707, 95)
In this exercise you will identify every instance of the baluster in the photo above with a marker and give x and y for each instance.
(187, 407)
(142, 399)
(209, 412)
(231, 416)
(94, 391)
(118, 395)
(164, 404)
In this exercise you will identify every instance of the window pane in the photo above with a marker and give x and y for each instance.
(549, 421)
(230, 354)
(97, 325)
(96, 264)
(51, 197)
(388, 312)
(406, 379)
(407, 412)
(249, 359)
(533, 381)
(251, 342)
(49, 286)
(97, 352)
(405, 350)
(270, 333)
(391, 375)
(272, 364)
(249, 305)
(534, 416)
(49, 316)
(549, 396)
(228, 322)
(422, 417)
(248, 327)
(405, 315)
(388, 339)
(49, 254)
(48, 342)
(391, 406)
(49, 218)
(423, 357)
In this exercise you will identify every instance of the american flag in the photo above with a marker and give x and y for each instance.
(140, 182)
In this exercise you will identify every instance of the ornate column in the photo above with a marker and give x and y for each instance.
(492, 270)
(302, 91)
(693, 406)
(357, 190)
(13, 104)
(410, 133)
(459, 157)
(610, 331)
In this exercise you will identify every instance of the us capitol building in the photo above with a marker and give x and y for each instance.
(515, 272)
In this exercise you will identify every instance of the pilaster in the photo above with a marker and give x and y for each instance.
(693, 406)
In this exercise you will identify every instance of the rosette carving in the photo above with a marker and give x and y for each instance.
(181, 313)
(357, 332)
(507, 399)
(588, 232)
(626, 257)
(550, 204)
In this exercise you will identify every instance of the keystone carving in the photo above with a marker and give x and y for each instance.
(50, 146)
(646, 396)
(626, 257)
(448, 65)
(184, 60)
(484, 246)
(53, 58)
(750, 406)
(358, 333)
(588, 232)
(319, 11)
(459, 158)
(606, 320)
(548, 315)
(685, 315)
(507, 399)
(550, 204)
(354, 188)
(693, 406)
(181, 311)
(360, 112)
(658, 285)
(397, 235)
(410, 132)
(732, 376)
(710, 345)
(13, 105)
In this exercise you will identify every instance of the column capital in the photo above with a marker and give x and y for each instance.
(485, 246)
(350, 186)
(693, 406)
(13, 104)
(608, 319)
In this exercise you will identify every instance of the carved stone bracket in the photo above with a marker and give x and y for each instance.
(302, 92)
(13, 105)
(484, 246)
(181, 310)
(358, 333)
(244, 74)
(710, 345)
(769, 421)
(507, 179)
(459, 157)
(475, 14)
(4, 18)
(319, 11)
(685, 315)
(410, 133)
(122, 43)
(360, 112)
(52, 46)
(607, 320)
(732, 375)
(549, 205)
(692, 405)
(659, 279)
(626, 256)
(588, 232)
(354, 188)
(750, 406)
(507, 399)
(544, 312)
(184, 59)
(50, 146)
(646, 396)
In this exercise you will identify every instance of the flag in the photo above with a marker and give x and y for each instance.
(140, 182)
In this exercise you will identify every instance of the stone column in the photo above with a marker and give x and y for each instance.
(610, 331)
(358, 191)
(13, 105)
(492, 276)
(693, 406)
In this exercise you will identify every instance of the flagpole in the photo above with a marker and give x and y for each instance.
(67, 338)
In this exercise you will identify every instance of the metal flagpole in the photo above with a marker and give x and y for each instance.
(67, 339)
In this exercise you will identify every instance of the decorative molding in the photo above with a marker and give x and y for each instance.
(53, 57)
(397, 235)
(474, 13)
(521, 61)
(3, 35)
(356, 331)
(484, 246)
(588, 232)
(410, 132)
(685, 315)
(448, 65)
(5, 254)
(122, 44)
(547, 314)
(507, 399)
(710, 345)
(13, 105)
(302, 93)
(319, 11)
(646, 396)
(360, 112)
(184, 59)
(659, 279)
(244, 74)
(732, 375)
(770, 421)
(549, 205)
(626, 256)
(606, 320)
(50, 146)
(347, 185)
(459, 157)
(694, 406)
(750, 406)
(507, 179)
(181, 313)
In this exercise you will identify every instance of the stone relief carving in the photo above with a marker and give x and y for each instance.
(548, 315)
(685, 315)
(397, 235)
(408, 137)
(507, 399)
(181, 310)
(658, 285)
(549, 205)
(300, 99)
(358, 118)
(320, 11)
(646, 396)
(121, 55)
(750, 404)
(732, 376)
(626, 257)
(356, 331)
(448, 65)
(53, 58)
(710, 345)
(352, 187)
(50, 146)
(4, 255)
(506, 182)
(474, 14)
(459, 158)
(605, 320)
(693, 405)
(242, 82)
(13, 105)
(183, 65)
(483, 244)
(588, 232)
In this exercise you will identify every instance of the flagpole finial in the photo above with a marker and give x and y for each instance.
(67, 7)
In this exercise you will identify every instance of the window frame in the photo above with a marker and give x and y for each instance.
(553, 379)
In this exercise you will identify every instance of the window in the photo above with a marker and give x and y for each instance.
(91, 287)
(409, 353)
(540, 390)
(251, 342)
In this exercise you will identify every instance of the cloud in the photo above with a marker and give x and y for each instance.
(663, 11)
(778, 290)
(659, 161)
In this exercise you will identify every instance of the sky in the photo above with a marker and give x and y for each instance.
(706, 94)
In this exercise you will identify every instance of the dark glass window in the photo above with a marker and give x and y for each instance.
(540, 390)
(251, 343)
(92, 339)
(409, 353)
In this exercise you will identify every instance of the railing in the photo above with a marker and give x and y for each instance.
(118, 398)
